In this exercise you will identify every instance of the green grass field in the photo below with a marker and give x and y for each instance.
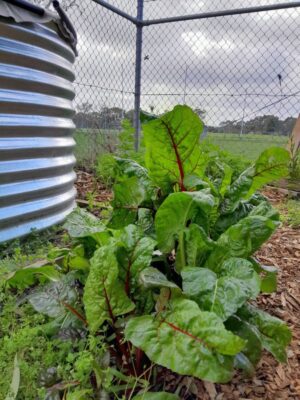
(248, 146)
(91, 143)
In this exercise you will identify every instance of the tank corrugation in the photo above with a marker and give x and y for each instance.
(36, 143)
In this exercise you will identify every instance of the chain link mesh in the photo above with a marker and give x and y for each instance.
(241, 73)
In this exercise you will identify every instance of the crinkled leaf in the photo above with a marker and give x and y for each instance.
(196, 245)
(27, 276)
(177, 211)
(156, 396)
(104, 295)
(193, 183)
(248, 332)
(224, 221)
(274, 333)
(186, 340)
(145, 219)
(52, 298)
(223, 294)
(226, 179)
(172, 146)
(128, 195)
(271, 165)
(134, 254)
(81, 223)
(241, 240)
(132, 190)
(152, 277)
(265, 209)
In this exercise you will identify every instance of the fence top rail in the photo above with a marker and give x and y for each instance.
(211, 14)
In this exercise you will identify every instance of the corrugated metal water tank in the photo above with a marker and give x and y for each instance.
(36, 144)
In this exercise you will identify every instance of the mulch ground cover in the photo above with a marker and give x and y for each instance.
(272, 381)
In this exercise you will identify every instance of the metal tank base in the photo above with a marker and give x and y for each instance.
(36, 143)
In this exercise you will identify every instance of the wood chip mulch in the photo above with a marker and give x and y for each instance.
(272, 381)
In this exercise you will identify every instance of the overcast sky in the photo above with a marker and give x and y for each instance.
(227, 66)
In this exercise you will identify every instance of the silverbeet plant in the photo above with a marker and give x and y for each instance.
(172, 276)
(177, 261)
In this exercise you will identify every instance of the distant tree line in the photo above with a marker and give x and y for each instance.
(111, 118)
(264, 124)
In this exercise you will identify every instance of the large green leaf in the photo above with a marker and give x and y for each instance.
(104, 294)
(271, 165)
(186, 340)
(132, 189)
(172, 146)
(274, 334)
(153, 278)
(22, 278)
(223, 294)
(81, 223)
(134, 254)
(54, 298)
(128, 195)
(241, 240)
(250, 334)
(179, 210)
(196, 247)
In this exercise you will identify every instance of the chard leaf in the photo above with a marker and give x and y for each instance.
(187, 340)
(274, 334)
(265, 209)
(156, 396)
(128, 195)
(104, 295)
(81, 223)
(271, 165)
(22, 278)
(177, 211)
(196, 247)
(242, 362)
(227, 175)
(241, 240)
(224, 221)
(54, 298)
(225, 294)
(269, 283)
(248, 332)
(172, 147)
(132, 190)
(134, 254)
(152, 277)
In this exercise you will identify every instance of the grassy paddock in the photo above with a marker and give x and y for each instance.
(248, 146)
(93, 142)
(90, 143)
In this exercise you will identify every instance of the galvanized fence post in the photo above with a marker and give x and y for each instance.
(138, 73)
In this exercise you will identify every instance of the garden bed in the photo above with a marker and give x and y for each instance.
(272, 380)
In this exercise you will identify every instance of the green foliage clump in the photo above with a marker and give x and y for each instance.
(169, 280)
(105, 169)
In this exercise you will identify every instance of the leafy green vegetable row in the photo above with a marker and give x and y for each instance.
(172, 275)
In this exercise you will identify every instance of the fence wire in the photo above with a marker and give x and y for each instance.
(240, 73)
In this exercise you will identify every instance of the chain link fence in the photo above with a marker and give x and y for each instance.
(241, 72)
